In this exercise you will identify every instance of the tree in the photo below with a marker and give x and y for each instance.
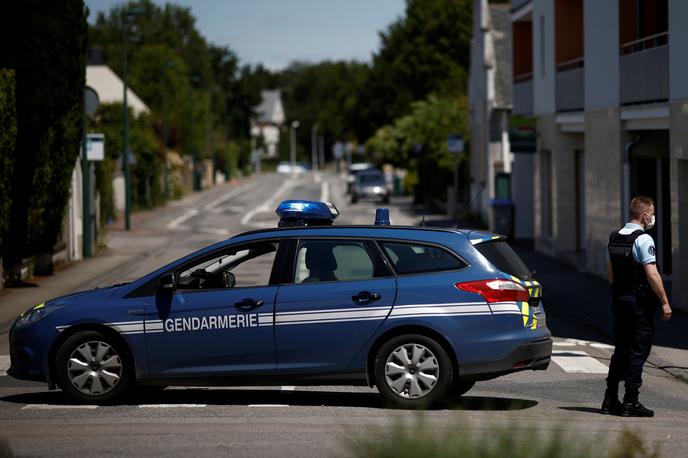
(418, 141)
(426, 51)
(47, 49)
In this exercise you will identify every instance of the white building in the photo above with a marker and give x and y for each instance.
(606, 85)
(489, 96)
(269, 120)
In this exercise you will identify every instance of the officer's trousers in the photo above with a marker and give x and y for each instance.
(634, 328)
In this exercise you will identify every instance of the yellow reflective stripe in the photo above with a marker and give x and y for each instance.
(495, 237)
(41, 305)
(525, 311)
(534, 325)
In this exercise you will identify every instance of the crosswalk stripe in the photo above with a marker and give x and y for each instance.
(170, 406)
(55, 407)
(4, 364)
(578, 362)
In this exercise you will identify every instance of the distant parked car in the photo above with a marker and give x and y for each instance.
(355, 169)
(370, 184)
(286, 167)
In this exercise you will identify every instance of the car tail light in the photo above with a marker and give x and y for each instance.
(496, 290)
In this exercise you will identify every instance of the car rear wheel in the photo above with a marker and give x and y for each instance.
(413, 372)
(92, 368)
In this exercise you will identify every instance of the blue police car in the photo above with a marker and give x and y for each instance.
(422, 313)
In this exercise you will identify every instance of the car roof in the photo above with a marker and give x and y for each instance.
(347, 230)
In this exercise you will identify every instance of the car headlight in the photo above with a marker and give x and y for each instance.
(32, 315)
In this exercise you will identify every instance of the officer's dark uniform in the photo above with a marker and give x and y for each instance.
(634, 305)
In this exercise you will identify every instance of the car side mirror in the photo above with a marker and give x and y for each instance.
(166, 282)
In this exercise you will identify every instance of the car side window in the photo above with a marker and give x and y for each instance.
(248, 265)
(333, 260)
(414, 258)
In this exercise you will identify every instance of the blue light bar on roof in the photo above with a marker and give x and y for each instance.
(306, 213)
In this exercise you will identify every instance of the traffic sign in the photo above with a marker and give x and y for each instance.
(95, 147)
(455, 144)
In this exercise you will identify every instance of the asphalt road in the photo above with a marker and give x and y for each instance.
(314, 421)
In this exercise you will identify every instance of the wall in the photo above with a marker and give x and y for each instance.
(601, 36)
(604, 144)
(543, 56)
(678, 44)
(679, 201)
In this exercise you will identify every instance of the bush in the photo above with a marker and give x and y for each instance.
(419, 439)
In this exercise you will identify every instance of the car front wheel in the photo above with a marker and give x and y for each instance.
(92, 368)
(413, 372)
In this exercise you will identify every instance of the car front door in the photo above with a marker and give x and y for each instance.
(341, 293)
(218, 319)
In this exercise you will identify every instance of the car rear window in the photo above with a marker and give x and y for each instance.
(414, 258)
(504, 258)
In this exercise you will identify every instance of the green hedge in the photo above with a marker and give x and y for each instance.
(8, 139)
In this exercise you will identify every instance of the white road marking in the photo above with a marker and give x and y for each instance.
(268, 405)
(56, 407)
(267, 206)
(578, 362)
(190, 213)
(225, 197)
(317, 177)
(212, 230)
(602, 346)
(324, 191)
(4, 364)
(170, 406)
(564, 344)
(288, 388)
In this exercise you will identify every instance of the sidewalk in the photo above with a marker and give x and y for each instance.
(107, 266)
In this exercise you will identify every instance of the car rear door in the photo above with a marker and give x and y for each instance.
(341, 293)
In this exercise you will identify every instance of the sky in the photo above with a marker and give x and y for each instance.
(277, 32)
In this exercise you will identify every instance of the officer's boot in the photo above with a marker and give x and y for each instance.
(631, 407)
(611, 403)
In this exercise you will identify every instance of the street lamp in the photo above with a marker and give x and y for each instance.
(314, 146)
(126, 15)
(165, 136)
(294, 126)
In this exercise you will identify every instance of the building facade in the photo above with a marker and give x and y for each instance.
(489, 98)
(605, 83)
(268, 121)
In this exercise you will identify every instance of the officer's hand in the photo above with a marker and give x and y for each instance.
(666, 312)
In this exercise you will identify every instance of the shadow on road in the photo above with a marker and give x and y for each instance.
(268, 397)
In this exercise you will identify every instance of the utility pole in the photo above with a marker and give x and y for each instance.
(322, 151)
(314, 147)
(126, 14)
(294, 126)
(165, 132)
(125, 158)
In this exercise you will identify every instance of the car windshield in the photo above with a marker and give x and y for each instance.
(370, 178)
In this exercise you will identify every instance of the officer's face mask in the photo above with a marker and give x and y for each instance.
(651, 224)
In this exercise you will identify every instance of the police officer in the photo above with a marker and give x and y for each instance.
(637, 291)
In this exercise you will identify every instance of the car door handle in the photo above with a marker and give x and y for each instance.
(364, 297)
(248, 304)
